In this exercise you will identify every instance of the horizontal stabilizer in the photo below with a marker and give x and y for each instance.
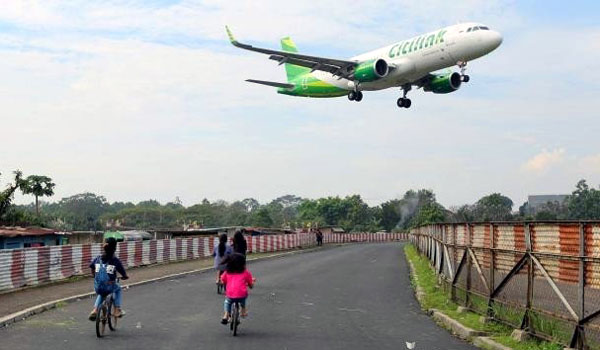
(272, 83)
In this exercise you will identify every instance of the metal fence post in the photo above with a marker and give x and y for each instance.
(578, 339)
(526, 323)
(452, 287)
(442, 245)
(435, 247)
(469, 262)
(581, 270)
(492, 285)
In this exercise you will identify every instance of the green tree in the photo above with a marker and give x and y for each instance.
(552, 211)
(6, 196)
(115, 207)
(82, 211)
(493, 207)
(429, 213)
(39, 186)
(411, 204)
(262, 218)
(150, 203)
(584, 202)
(284, 210)
(465, 213)
(289, 200)
(237, 214)
(391, 214)
(308, 212)
(251, 204)
(351, 213)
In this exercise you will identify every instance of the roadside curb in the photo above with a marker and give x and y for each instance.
(456, 327)
(419, 292)
(34, 310)
(489, 343)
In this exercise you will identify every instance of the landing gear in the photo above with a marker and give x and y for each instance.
(463, 67)
(404, 102)
(355, 96)
(359, 96)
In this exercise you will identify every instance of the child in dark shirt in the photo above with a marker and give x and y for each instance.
(111, 264)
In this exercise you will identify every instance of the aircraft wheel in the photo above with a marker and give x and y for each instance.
(358, 97)
(407, 103)
(466, 78)
(400, 102)
(352, 95)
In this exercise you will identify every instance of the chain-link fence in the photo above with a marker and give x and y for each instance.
(543, 277)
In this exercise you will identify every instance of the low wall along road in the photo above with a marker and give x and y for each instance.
(33, 266)
(543, 277)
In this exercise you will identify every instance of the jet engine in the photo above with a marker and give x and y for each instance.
(371, 70)
(444, 83)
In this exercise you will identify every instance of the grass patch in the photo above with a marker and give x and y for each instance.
(530, 344)
(561, 331)
(438, 298)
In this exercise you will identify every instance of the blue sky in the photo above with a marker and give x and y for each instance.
(138, 99)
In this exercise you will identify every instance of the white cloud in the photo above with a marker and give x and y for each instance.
(544, 160)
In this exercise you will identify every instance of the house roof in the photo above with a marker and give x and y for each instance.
(15, 231)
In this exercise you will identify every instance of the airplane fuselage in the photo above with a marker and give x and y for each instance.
(409, 60)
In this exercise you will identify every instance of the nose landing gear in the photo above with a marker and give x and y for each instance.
(463, 68)
(404, 102)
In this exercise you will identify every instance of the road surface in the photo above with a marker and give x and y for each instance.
(350, 297)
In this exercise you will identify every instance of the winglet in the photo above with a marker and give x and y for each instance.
(230, 35)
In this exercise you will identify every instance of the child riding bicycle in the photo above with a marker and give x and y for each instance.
(221, 252)
(104, 269)
(237, 278)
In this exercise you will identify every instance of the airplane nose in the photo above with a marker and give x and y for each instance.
(495, 39)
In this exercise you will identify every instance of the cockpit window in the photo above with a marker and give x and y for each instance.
(484, 28)
(475, 28)
(468, 30)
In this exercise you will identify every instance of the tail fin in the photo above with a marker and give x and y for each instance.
(292, 70)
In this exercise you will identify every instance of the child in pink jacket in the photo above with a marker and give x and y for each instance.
(237, 279)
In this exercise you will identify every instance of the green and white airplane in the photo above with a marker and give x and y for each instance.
(405, 64)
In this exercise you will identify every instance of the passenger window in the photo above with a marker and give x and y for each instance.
(484, 28)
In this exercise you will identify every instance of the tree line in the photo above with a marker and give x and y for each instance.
(89, 211)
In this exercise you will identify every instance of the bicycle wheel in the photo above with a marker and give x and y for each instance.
(231, 318)
(112, 319)
(235, 318)
(101, 320)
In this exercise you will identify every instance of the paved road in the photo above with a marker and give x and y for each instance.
(351, 297)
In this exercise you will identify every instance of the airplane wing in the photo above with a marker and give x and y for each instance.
(340, 68)
(271, 83)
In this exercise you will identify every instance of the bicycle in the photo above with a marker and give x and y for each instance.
(234, 320)
(221, 287)
(106, 315)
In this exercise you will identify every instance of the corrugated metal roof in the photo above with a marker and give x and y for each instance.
(10, 231)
